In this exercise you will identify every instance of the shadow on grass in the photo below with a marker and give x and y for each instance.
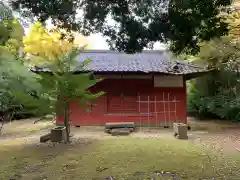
(119, 157)
(30, 161)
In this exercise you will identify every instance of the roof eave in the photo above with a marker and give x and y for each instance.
(197, 74)
(188, 75)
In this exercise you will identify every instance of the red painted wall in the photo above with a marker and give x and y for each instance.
(129, 100)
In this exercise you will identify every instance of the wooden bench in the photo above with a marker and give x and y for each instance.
(120, 125)
(119, 128)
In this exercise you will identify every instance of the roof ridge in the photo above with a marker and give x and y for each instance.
(113, 51)
(183, 62)
(153, 61)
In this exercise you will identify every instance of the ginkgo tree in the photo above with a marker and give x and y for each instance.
(55, 51)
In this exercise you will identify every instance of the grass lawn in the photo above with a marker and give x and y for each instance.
(121, 157)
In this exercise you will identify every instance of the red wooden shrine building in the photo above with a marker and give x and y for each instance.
(147, 88)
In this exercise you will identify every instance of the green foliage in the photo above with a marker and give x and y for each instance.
(138, 24)
(13, 73)
(10, 28)
(14, 76)
(5, 15)
(5, 12)
(218, 93)
(220, 53)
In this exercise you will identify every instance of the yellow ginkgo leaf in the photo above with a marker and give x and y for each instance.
(49, 45)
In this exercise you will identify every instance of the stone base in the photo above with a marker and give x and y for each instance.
(180, 130)
(59, 134)
(131, 129)
(120, 132)
(181, 137)
(108, 131)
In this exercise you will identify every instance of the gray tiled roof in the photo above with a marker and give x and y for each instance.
(146, 61)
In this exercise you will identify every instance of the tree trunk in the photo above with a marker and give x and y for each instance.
(66, 119)
(5, 117)
(1, 127)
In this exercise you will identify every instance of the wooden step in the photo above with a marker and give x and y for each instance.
(45, 138)
(120, 132)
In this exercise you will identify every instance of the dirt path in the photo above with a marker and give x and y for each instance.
(223, 139)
